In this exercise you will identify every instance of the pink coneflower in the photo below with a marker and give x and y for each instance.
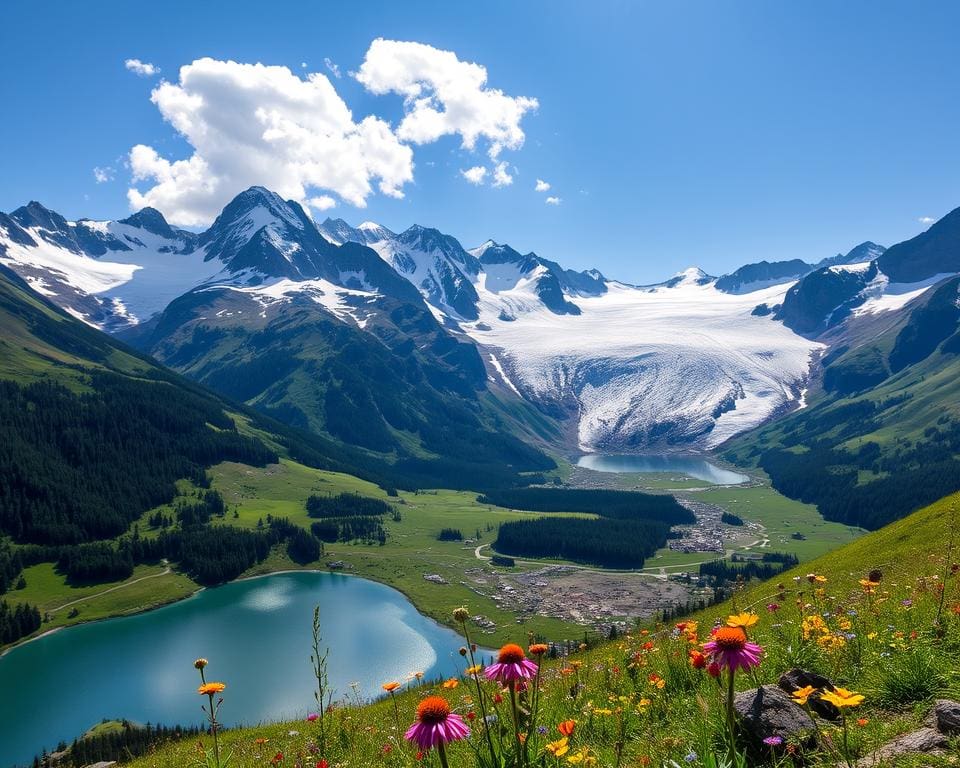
(512, 664)
(731, 649)
(436, 725)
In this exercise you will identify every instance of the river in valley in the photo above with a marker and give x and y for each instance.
(256, 635)
(666, 463)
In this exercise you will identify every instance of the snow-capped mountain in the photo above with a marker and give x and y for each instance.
(684, 363)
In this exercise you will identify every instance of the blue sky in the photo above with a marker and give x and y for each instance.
(674, 133)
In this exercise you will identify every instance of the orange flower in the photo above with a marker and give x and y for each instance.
(451, 683)
(210, 689)
(538, 649)
(391, 686)
(567, 728)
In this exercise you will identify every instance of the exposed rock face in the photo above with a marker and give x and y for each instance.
(925, 740)
(769, 711)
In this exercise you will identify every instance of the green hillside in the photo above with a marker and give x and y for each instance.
(639, 700)
(882, 438)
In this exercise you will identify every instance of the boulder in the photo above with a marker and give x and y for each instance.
(923, 741)
(798, 678)
(945, 716)
(769, 711)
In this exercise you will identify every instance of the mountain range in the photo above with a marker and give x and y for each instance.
(410, 345)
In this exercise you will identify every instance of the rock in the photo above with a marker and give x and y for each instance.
(769, 711)
(798, 678)
(926, 740)
(945, 716)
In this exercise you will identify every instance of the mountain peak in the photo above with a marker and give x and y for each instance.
(150, 220)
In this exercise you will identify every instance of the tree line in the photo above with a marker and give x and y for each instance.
(78, 467)
(348, 517)
(609, 504)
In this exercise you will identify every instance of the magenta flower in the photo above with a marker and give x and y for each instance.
(312, 717)
(730, 649)
(436, 724)
(512, 664)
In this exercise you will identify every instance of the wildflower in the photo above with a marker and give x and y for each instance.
(211, 689)
(773, 607)
(461, 614)
(512, 664)
(567, 727)
(731, 649)
(690, 757)
(260, 741)
(743, 620)
(841, 697)
(312, 717)
(470, 671)
(773, 741)
(862, 721)
(538, 649)
(802, 694)
(559, 748)
(436, 725)
(697, 660)
(451, 683)
(713, 669)
(200, 663)
(391, 686)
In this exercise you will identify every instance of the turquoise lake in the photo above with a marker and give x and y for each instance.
(691, 466)
(256, 635)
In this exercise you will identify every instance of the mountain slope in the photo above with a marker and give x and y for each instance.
(882, 437)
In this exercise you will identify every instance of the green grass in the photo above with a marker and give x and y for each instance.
(893, 656)
(150, 586)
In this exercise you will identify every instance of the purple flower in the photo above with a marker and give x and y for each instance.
(512, 664)
(730, 648)
(773, 741)
(436, 724)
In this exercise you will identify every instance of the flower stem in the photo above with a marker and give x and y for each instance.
(516, 720)
(441, 751)
(731, 719)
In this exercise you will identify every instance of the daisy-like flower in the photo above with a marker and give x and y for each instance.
(730, 649)
(211, 689)
(474, 670)
(841, 697)
(436, 725)
(512, 664)
(391, 686)
(559, 748)
(538, 649)
(742, 620)
(802, 694)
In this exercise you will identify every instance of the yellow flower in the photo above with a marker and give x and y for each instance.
(451, 683)
(209, 689)
(475, 670)
(559, 748)
(841, 697)
(802, 694)
(743, 620)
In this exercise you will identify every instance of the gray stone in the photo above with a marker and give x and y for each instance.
(946, 716)
(769, 711)
(925, 740)
(798, 678)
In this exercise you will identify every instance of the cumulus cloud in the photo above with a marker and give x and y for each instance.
(141, 68)
(501, 176)
(553, 200)
(322, 203)
(333, 67)
(102, 175)
(541, 186)
(252, 124)
(475, 175)
(926, 220)
(444, 96)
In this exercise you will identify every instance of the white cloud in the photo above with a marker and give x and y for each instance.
(322, 203)
(334, 68)
(253, 124)
(102, 175)
(542, 186)
(501, 176)
(926, 220)
(475, 175)
(444, 96)
(141, 68)
(553, 200)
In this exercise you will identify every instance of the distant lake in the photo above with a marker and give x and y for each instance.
(256, 634)
(692, 466)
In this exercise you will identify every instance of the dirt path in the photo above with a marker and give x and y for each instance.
(112, 589)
